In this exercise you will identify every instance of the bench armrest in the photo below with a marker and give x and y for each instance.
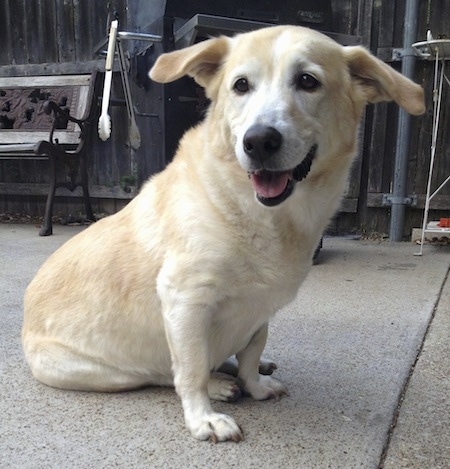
(61, 117)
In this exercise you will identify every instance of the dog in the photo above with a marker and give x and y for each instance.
(190, 272)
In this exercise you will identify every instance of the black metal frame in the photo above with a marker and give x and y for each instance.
(74, 159)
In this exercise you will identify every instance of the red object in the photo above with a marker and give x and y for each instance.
(444, 223)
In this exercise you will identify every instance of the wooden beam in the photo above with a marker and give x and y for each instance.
(349, 205)
(63, 68)
(438, 202)
(98, 192)
(41, 81)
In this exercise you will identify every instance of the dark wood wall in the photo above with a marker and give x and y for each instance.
(380, 23)
(66, 33)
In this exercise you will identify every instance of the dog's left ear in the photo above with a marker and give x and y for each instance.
(380, 82)
(199, 61)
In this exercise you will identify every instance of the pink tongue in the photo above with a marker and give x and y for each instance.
(269, 184)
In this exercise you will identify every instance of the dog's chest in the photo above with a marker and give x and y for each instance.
(276, 260)
(265, 273)
(258, 291)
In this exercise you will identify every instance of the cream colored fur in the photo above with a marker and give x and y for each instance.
(192, 270)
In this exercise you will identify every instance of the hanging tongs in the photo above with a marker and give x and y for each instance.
(133, 131)
(104, 123)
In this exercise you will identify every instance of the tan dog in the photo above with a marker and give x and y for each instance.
(192, 270)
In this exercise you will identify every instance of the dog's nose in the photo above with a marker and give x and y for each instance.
(261, 142)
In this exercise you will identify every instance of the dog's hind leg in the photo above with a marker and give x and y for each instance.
(56, 365)
(231, 367)
(266, 367)
(259, 387)
(223, 387)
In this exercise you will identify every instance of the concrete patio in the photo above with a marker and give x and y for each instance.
(364, 351)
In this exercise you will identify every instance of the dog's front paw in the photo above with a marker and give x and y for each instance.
(215, 427)
(265, 388)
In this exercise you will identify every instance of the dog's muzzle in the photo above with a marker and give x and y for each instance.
(274, 187)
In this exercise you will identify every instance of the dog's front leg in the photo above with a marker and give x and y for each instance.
(187, 324)
(258, 386)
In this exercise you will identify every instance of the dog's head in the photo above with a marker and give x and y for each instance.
(288, 101)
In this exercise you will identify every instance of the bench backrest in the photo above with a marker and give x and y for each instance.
(22, 118)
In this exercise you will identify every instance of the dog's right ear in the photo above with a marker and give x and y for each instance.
(199, 61)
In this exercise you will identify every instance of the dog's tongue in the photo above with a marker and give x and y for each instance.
(269, 184)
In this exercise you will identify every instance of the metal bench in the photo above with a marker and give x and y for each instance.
(48, 117)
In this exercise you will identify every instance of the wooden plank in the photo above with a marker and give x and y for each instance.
(380, 157)
(95, 191)
(81, 30)
(46, 31)
(52, 68)
(91, 25)
(386, 29)
(436, 17)
(438, 202)
(33, 41)
(20, 136)
(44, 81)
(65, 31)
(376, 147)
(18, 31)
(23, 147)
(365, 20)
(349, 205)
(80, 107)
(5, 34)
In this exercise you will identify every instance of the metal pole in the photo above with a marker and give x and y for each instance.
(404, 128)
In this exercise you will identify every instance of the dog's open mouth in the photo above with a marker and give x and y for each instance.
(274, 187)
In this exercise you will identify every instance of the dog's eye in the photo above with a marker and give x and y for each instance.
(241, 86)
(306, 82)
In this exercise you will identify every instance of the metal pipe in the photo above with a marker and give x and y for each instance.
(404, 128)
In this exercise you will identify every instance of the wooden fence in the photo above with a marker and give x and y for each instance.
(63, 35)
